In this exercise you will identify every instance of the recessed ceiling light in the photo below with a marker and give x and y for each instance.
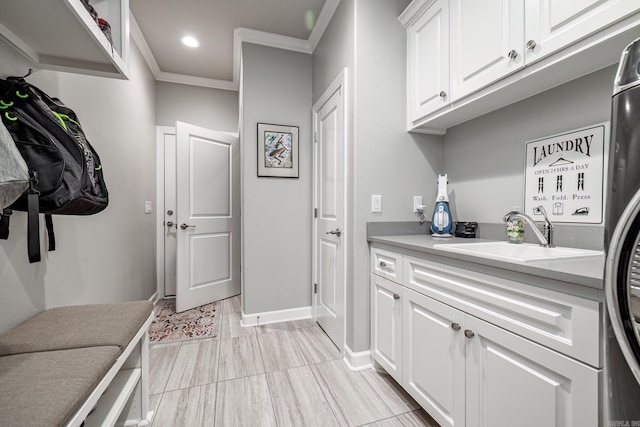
(190, 41)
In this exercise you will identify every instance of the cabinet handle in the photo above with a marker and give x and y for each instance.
(531, 44)
(468, 333)
(396, 296)
(383, 264)
(455, 326)
(512, 54)
(443, 94)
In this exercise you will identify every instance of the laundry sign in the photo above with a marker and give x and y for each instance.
(565, 174)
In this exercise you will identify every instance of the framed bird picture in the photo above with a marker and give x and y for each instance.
(277, 150)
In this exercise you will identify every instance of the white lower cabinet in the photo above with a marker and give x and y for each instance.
(466, 371)
(511, 381)
(386, 313)
(434, 357)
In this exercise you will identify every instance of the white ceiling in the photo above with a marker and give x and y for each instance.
(221, 26)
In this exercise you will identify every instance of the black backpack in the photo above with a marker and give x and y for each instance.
(65, 172)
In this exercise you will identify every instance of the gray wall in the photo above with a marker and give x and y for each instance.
(109, 256)
(276, 212)
(387, 160)
(485, 156)
(210, 108)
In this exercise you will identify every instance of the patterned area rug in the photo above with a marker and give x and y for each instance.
(169, 326)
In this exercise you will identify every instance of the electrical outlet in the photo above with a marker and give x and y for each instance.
(417, 204)
(376, 203)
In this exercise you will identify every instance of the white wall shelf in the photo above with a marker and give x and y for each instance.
(61, 35)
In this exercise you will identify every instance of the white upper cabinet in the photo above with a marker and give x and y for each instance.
(484, 49)
(428, 57)
(552, 25)
(62, 35)
(502, 51)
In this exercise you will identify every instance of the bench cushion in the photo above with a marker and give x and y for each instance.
(45, 389)
(76, 327)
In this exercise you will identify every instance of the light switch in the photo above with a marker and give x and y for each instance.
(147, 207)
(417, 203)
(376, 203)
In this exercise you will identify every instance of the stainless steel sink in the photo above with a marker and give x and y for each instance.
(524, 252)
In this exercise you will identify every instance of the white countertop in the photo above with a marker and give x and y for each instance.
(581, 271)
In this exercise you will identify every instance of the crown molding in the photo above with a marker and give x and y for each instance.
(322, 22)
(240, 35)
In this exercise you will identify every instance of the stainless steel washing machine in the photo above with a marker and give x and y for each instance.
(621, 398)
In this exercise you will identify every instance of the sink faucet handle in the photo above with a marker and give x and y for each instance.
(541, 210)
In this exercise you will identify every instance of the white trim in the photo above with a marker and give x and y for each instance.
(161, 131)
(357, 361)
(154, 298)
(240, 35)
(338, 83)
(268, 317)
(322, 23)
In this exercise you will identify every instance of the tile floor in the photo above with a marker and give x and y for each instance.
(285, 374)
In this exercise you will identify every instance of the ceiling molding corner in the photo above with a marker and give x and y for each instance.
(138, 37)
(197, 81)
(322, 23)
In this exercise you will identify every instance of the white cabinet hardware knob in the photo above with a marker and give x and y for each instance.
(396, 296)
(443, 94)
(531, 44)
(383, 264)
(455, 326)
(468, 333)
(512, 54)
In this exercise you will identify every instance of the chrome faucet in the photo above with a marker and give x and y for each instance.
(546, 235)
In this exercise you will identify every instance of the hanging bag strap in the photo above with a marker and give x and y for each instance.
(48, 220)
(4, 224)
(33, 222)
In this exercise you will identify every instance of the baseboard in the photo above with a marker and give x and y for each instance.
(357, 361)
(277, 316)
(154, 298)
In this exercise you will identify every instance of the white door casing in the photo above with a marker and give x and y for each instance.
(330, 230)
(208, 217)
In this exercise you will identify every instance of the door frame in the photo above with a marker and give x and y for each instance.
(161, 131)
(339, 83)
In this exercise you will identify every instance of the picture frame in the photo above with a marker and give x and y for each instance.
(278, 151)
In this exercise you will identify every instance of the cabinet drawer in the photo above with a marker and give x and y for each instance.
(566, 323)
(386, 264)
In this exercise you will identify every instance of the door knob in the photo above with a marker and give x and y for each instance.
(336, 232)
(185, 226)
(171, 224)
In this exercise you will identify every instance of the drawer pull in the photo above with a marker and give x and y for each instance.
(468, 333)
(531, 44)
(512, 54)
(396, 296)
(455, 326)
(383, 264)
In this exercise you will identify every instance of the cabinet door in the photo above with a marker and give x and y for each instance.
(386, 321)
(554, 24)
(487, 39)
(434, 367)
(512, 381)
(428, 60)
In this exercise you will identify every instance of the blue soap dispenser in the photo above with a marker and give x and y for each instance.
(441, 224)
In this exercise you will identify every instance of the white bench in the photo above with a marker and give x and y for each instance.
(78, 364)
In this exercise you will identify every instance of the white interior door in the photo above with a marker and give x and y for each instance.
(208, 217)
(330, 224)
